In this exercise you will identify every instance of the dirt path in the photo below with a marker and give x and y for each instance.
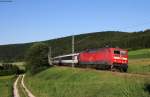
(25, 88)
(15, 89)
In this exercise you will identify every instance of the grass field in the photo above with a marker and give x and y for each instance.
(141, 53)
(6, 86)
(141, 66)
(139, 61)
(69, 82)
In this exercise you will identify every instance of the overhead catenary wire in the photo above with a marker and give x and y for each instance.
(75, 43)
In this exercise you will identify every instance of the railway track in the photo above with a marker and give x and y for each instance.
(132, 74)
(117, 73)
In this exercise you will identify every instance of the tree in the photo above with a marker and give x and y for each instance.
(37, 58)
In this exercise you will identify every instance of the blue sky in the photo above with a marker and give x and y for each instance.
(24, 21)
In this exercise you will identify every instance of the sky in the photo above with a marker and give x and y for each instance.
(23, 21)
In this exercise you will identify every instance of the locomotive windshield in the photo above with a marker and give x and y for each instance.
(116, 52)
(120, 52)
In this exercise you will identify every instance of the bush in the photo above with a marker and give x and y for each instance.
(9, 69)
(37, 58)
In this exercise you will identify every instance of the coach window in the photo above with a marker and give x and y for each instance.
(67, 58)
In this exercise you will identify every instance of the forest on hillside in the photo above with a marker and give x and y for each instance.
(126, 40)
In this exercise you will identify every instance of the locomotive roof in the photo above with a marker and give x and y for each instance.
(88, 50)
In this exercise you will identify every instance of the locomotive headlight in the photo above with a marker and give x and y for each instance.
(117, 58)
(124, 58)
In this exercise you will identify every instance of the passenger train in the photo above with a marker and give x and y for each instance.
(103, 58)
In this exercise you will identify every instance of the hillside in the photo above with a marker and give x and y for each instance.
(69, 82)
(77, 82)
(135, 40)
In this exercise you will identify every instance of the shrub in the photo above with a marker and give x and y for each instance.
(37, 58)
(9, 69)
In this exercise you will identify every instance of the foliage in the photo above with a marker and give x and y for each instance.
(131, 41)
(20, 65)
(9, 69)
(37, 57)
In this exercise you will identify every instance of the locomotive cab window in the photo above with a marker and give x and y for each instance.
(116, 52)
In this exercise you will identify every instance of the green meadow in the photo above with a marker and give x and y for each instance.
(6, 86)
(139, 61)
(76, 82)
(70, 82)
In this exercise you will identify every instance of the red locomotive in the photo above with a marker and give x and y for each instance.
(103, 58)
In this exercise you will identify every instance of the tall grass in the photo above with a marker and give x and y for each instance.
(137, 54)
(141, 66)
(6, 86)
(139, 61)
(68, 82)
